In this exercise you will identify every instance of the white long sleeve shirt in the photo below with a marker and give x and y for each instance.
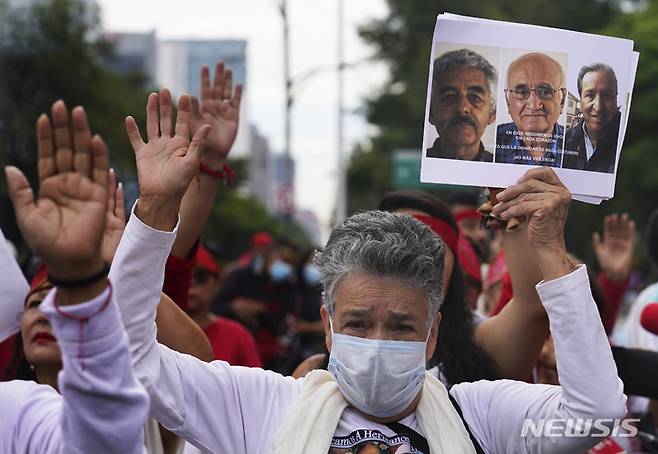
(638, 337)
(13, 288)
(220, 408)
(102, 406)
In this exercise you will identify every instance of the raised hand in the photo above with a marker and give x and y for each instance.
(219, 107)
(540, 196)
(65, 225)
(165, 164)
(615, 251)
(115, 218)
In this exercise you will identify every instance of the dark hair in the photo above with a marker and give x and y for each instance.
(652, 237)
(463, 198)
(456, 354)
(593, 68)
(287, 243)
(18, 367)
(418, 200)
(301, 262)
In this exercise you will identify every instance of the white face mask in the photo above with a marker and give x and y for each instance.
(379, 377)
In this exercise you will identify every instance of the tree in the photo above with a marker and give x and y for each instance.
(52, 49)
(235, 218)
(49, 50)
(637, 177)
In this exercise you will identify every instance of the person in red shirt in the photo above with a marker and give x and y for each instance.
(230, 341)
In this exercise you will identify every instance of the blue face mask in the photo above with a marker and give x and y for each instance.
(280, 271)
(379, 377)
(311, 275)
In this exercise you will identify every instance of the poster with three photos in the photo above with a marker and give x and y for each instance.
(503, 97)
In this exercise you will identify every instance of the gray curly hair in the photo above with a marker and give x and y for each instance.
(469, 59)
(388, 245)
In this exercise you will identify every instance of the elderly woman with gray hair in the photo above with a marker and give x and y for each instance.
(383, 290)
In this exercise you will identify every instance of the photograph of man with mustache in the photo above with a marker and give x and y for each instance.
(462, 105)
(591, 143)
(535, 96)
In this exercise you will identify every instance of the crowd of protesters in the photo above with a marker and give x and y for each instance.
(415, 329)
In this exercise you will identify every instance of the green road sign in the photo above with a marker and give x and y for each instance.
(406, 170)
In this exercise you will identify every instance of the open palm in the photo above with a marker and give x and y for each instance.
(65, 224)
(616, 250)
(166, 164)
(220, 108)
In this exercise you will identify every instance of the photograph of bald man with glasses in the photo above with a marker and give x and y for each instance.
(535, 94)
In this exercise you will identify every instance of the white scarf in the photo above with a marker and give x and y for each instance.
(314, 416)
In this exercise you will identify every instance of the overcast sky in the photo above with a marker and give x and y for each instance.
(313, 34)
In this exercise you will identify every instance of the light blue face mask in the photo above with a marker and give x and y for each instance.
(280, 271)
(379, 377)
(311, 275)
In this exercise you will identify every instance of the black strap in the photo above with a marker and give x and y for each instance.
(417, 440)
(82, 282)
(638, 369)
(478, 448)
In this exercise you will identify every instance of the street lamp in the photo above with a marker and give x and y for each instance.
(287, 170)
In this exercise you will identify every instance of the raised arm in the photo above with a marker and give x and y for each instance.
(189, 397)
(178, 331)
(166, 164)
(523, 318)
(219, 108)
(175, 329)
(509, 416)
(615, 251)
(100, 396)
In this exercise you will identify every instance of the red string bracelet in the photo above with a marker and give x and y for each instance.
(213, 173)
(229, 174)
(82, 320)
(225, 174)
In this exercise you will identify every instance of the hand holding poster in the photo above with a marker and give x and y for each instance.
(505, 96)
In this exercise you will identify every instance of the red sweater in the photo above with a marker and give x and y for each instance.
(232, 342)
(178, 277)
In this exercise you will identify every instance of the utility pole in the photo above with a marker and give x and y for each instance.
(287, 170)
(290, 83)
(341, 200)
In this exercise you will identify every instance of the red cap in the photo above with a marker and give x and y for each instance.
(39, 281)
(261, 239)
(206, 260)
